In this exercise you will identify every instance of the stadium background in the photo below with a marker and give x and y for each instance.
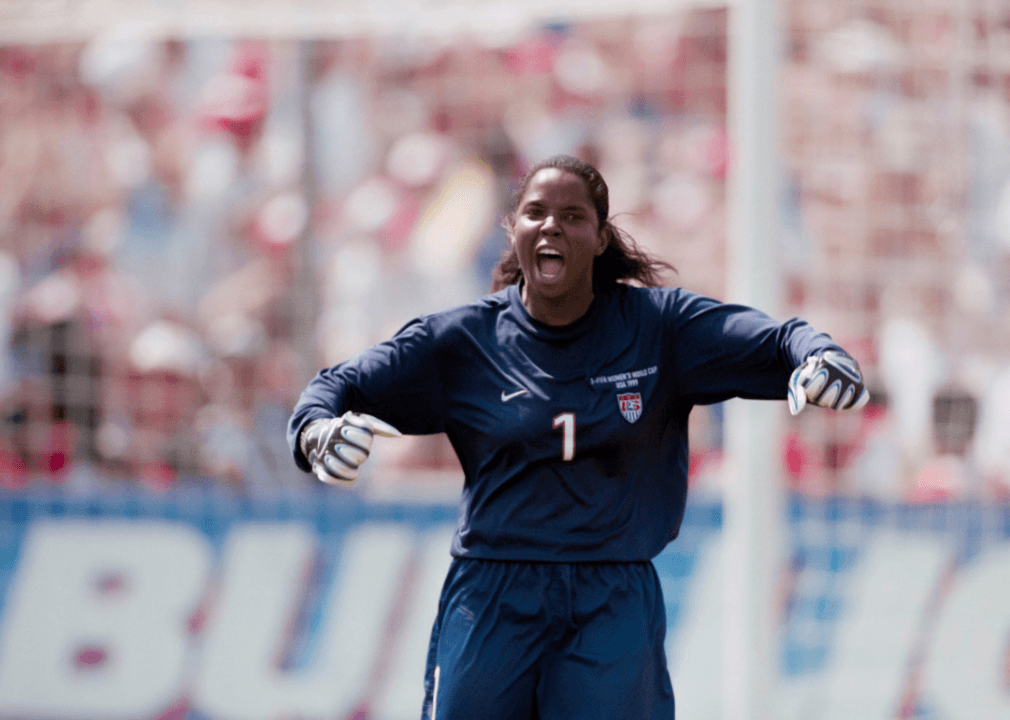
(201, 204)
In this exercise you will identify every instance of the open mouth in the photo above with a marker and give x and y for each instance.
(550, 263)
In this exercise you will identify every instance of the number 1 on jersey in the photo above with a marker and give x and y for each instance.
(567, 423)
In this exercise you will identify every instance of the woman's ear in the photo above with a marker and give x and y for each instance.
(604, 237)
(509, 228)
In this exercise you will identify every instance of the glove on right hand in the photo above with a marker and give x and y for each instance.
(336, 447)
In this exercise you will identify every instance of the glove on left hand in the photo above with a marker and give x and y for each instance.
(831, 379)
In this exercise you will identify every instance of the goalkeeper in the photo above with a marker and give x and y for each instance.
(566, 395)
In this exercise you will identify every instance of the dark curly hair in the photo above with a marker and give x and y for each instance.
(622, 261)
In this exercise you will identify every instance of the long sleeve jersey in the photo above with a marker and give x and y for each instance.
(573, 440)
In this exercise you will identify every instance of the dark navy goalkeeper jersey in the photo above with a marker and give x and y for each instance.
(573, 439)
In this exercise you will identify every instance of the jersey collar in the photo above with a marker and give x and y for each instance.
(556, 333)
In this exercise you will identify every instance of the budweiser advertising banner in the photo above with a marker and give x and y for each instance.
(207, 606)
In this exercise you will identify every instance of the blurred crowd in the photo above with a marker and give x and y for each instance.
(190, 228)
(896, 145)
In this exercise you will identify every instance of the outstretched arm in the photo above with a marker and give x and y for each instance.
(397, 381)
(723, 350)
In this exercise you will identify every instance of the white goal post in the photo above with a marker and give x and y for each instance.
(27, 21)
(753, 497)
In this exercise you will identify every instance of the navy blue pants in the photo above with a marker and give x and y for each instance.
(546, 641)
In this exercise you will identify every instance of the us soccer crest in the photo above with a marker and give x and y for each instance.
(631, 406)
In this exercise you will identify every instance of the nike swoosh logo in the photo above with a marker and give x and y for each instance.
(517, 393)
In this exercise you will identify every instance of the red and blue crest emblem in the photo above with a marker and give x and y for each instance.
(631, 406)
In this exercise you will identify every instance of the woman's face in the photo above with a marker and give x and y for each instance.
(556, 236)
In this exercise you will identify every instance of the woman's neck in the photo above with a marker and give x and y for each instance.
(556, 311)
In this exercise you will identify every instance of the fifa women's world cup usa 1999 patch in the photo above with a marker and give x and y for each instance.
(627, 384)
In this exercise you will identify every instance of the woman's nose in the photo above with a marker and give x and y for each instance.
(550, 224)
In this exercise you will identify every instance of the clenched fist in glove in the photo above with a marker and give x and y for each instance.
(831, 379)
(336, 447)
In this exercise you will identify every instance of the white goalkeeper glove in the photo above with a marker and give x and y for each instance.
(830, 379)
(336, 447)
